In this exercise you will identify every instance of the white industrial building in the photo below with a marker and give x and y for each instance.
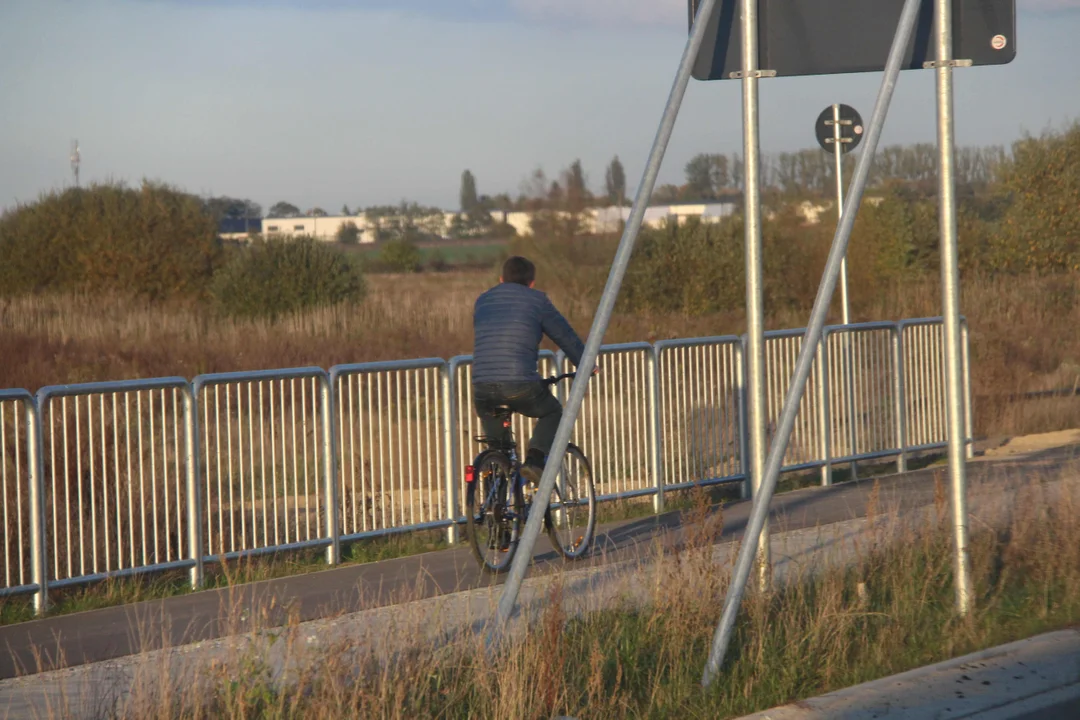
(595, 220)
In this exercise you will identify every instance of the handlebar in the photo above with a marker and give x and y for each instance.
(553, 380)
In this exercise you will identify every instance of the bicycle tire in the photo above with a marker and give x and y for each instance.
(573, 546)
(493, 468)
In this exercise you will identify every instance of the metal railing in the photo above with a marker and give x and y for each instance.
(105, 480)
(267, 463)
(393, 426)
(116, 478)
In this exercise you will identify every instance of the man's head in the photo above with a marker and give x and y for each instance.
(518, 270)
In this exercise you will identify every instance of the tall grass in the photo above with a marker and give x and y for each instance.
(1022, 333)
(828, 624)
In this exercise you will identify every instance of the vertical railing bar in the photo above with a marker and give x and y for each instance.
(296, 467)
(240, 459)
(899, 416)
(93, 481)
(229, 467)
(130, 480)
(369, 482)
(398, 470)
(638, 462)
(164, 475)
(217, 471)
(286, 521)
(303, 434)
(4, 484)
(256, 501)
(52, 471)
(176, 474)
(384, 452)
(39, 572)
(153, 475)
(78, 470)
(273, 464)
(410, 406)
(328, 441)
(352, 447)
(432, 498)
(262, 464)
(104, 483)
(969, 429)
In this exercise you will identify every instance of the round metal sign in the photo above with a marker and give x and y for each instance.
(851, 129)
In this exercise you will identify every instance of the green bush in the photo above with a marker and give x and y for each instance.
(276, 276)
(400, 256)
(154, 242)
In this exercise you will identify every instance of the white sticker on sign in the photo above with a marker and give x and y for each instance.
(997, 42)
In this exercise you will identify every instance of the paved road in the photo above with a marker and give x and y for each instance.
(76, 639)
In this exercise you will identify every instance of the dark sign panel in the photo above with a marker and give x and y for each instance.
(830, 37)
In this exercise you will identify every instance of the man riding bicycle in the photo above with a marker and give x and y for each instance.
(509, 321)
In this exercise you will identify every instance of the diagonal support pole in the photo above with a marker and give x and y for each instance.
(512, 587)
(722, 637)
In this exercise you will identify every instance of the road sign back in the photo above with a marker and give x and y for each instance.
(851, 129)
(829, 37)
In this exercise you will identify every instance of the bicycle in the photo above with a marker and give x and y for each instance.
(496, 475)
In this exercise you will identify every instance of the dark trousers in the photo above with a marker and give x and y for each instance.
(531, 399)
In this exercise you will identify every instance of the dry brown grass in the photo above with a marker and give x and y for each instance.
(1022, 336)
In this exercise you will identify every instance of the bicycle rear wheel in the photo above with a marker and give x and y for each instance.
(494, 512)
(571, 516)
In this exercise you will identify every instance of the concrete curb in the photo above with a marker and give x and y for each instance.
(1034, 678)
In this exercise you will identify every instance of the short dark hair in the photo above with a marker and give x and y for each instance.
(518, 270)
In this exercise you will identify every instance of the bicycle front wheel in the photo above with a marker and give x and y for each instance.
(494, 512)
(571, 518)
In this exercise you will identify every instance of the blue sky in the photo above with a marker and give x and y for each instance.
(367, 102)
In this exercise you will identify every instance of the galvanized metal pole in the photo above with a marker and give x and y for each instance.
(950, 293)
(600, 322)
(814, 328)
(194, 505)
(755, 304)
(655, 457)
(450, 451)
(330, 471)
(847, 366)
(838, 157)
(39, 567)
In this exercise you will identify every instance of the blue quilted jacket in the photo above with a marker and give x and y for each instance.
(509, 321)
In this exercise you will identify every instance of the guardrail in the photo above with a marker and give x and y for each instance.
(112, 479)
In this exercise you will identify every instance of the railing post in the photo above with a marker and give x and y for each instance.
(899, 401)
(655, 459)
(969, 431)
(35, 460)
(824, 408)
(450, 438)
(194, 502)
(744, 440)
(330, 470)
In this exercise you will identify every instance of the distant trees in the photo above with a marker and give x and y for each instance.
(469, 200)
(406, 221)
(348, 233)
(224, 207)
(615, 182)
(284, 210)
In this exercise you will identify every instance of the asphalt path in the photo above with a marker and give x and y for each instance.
(92, 636)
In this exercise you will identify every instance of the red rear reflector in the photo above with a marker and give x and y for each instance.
(470, 473)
